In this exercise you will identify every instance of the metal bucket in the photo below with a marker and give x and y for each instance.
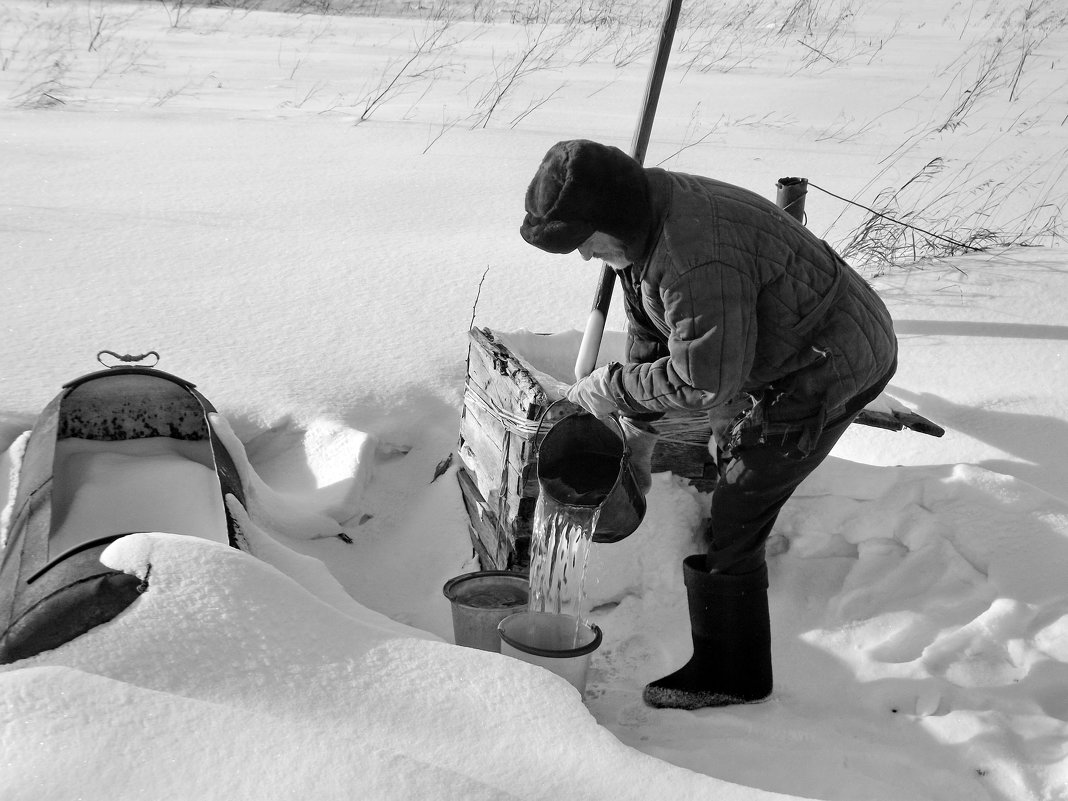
(480, 601)
(584, 462)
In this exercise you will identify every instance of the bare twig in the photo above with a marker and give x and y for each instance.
(446, 125)
(95, 28)
(478, 294)
(396, 79)
(538, 54)
(817, 51)
(535, 105)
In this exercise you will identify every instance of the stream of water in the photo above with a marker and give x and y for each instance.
(574, 484)
(559, 551)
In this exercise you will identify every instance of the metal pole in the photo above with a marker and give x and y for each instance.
(791, 196)
(656, 80)
(602, 299)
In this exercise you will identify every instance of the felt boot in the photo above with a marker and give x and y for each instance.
(731, 631)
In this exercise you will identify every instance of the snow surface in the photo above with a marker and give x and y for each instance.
(204, 190)
(106, 488)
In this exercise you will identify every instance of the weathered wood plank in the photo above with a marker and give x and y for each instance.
(482, 439)
(492, 549)
(499, 546)
(503, 378)
(501, 476)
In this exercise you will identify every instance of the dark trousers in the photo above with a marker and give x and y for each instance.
(754, 484)
(758, 478)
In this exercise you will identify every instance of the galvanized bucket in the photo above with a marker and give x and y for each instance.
(584, 462)
(480, 601)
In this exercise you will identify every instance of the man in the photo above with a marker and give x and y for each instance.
(733, 307)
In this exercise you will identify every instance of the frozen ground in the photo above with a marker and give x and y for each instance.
(208, 190)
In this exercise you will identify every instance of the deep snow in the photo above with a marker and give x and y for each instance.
(203, 190)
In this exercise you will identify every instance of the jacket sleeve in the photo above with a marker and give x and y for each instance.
(711, 311)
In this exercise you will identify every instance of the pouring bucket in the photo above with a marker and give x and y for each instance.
(480, 601)
(559, 643)
(583, 462)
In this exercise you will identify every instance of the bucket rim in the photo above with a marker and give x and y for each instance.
(552, 653)
(621, 470)
(450, 587)
(577, 411)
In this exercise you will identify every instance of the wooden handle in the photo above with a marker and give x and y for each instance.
(591, 337)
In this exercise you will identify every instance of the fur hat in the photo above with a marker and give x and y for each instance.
(582, 187)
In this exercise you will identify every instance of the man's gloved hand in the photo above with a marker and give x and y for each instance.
(591, 393)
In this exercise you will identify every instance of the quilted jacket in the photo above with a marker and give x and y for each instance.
(733, 297)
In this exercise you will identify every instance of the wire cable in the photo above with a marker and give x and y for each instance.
(898, 222)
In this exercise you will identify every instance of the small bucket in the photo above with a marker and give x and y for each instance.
(559, 643)
(480, 601)
(583, 462)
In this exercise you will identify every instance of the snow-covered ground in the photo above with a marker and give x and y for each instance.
(206, 189)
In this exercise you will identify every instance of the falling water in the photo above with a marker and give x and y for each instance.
(559, 551)
(574, 484)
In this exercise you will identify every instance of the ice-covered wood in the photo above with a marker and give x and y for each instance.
(503, 405)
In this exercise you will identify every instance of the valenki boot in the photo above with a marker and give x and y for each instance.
(731, 631)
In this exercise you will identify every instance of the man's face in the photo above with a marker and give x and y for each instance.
(606, 248)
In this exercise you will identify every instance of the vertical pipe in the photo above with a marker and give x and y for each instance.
(791, 196)
(602, 299)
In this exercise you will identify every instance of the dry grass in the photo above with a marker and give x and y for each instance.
(948, 203)
(908, 225)
(953, 205)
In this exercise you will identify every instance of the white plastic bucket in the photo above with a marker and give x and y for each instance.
(556, 642)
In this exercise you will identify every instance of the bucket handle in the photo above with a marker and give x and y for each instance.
(614, 417)
(127, 358)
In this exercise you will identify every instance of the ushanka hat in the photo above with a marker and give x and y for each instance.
(582, 187)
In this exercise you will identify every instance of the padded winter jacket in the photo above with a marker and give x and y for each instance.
(733, 297)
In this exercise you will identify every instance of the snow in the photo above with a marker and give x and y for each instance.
(204, 190)
(105, 488)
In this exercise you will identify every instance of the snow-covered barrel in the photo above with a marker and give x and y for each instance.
(117, 451)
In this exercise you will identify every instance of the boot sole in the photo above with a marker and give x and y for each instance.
(664, 698)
